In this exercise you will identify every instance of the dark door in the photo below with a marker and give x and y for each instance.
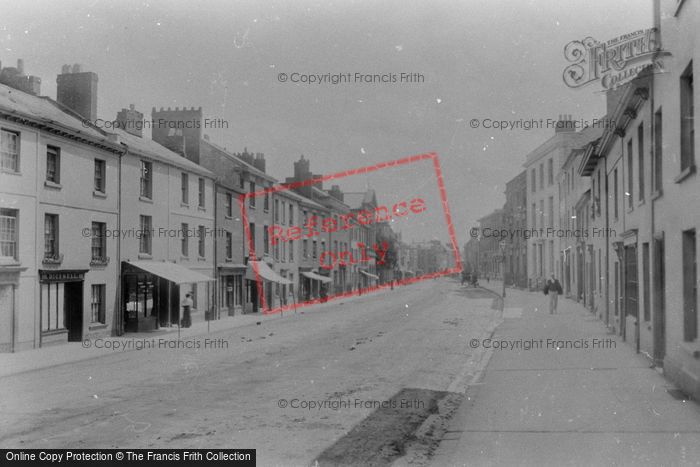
(251, 296)
(617, 291)
(268, 295)
(228, 293)
(130, 301)
(579, 274)
(631, 284)
(73, 306)
(174, 303)
(659, 302)
(690, 287)
(163, 302)
(567, 271)
(591, 279)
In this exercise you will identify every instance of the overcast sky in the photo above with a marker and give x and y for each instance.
(495, 59)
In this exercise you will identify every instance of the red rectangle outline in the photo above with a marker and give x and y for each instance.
(371, 168)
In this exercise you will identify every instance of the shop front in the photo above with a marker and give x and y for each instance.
(231, 292)
(152, 293)
(315, 285)
(61, 304)
(368, 279)
(259, 273)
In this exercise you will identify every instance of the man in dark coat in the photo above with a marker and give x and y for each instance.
(553, 289)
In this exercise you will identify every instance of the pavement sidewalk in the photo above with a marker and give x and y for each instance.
(562, 391)
(65, 353)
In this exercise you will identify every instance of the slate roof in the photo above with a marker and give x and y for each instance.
(42, 110)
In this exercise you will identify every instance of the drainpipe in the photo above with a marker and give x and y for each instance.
(623, 256)
(607, 243)
(119, 325)
(652, 152)
(217, 275)
(12, 321)
(652, 216)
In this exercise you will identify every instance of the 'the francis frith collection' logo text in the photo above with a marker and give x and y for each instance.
(614, 62)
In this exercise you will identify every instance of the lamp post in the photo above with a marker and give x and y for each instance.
(502, 245)
(478, 255)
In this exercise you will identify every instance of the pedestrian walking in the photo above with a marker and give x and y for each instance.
(187, 304)
(553, 289)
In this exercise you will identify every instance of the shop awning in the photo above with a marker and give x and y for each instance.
(172, 272)
(317, 277)
(371, 276)
(265, 273)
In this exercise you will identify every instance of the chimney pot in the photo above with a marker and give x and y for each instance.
(131, 106)
(20, 66)
(77, 68)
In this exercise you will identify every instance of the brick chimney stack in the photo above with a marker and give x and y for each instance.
(564, 124)
(336, 193)
(131, 121)
(15, 78)
(246, 157)
(259, 161)
(77, 90)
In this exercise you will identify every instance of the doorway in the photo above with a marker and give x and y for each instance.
(590, 290)
(73, 306)
(616, 297)
(631, 289)
(251, 296)
(659, 302)
(580, 262)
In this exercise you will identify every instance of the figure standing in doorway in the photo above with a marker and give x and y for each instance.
(186, 311)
